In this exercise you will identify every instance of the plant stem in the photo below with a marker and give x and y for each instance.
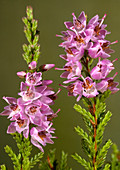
(92, 110)
(22, 156)
(94, 136)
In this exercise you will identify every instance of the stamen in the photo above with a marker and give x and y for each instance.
(114, 60)
(99, 59)
(63, 85)
(57, 92)
(82, 78)
(115, 75)
(114, 42)
(102, 20)
(73, 15)
(58, 35)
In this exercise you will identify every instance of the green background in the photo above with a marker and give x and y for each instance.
(51, 15)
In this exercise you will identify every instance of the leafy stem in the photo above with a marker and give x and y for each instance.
(95, 133)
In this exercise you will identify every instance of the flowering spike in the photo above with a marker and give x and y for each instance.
(32, 107)
(83, 45)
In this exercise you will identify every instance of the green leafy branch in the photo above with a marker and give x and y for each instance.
(31, 51)
(22, 160)
(115, 158)
(95, 120)
(52, 164)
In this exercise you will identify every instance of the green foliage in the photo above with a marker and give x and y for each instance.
(82, 161)
(115, 162)
(22, 160)
(95, 120)
(52, 164)
(63, 162)
(105, 95)
(87, 117)
(83, 112)
(34, 160)
(101, 127)
(13, 157)
(23, 144)
(3, 167)
(101, 156)
(107, 167)
(31, 51)
(87, 142)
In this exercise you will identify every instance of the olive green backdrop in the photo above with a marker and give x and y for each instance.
(51, 15)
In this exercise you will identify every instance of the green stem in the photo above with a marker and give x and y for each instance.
(94, 136)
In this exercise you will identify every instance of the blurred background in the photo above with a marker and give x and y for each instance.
(51, 15)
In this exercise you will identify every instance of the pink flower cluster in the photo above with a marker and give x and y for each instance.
(31, 113)
(84, 42)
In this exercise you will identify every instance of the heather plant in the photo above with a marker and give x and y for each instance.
(30, 114)
(86, 72)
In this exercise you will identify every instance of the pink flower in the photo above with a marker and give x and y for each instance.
(108, 83)
(41, 136)
(71, 69)
(100, 49)
(32, 65)
(20, 125)
(14, 107)
(21, 74)
(89, 88)
(46, 67)
(102, 69)
(84, 43)
(28, 94)
(98, 27)
(79, 24)
(34, 79)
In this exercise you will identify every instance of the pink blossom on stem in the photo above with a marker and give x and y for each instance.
(32, 108)
(83, 44)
